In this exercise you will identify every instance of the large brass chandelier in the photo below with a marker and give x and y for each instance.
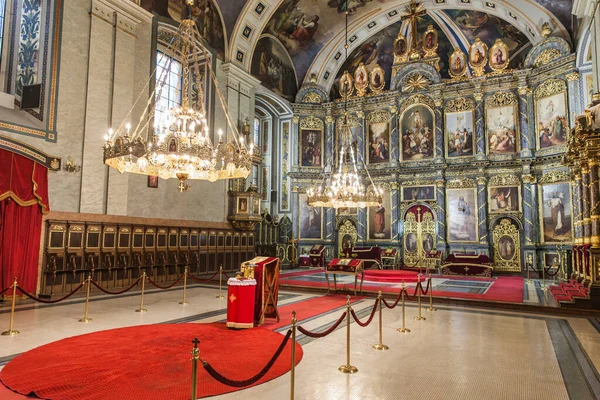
(343, 187)
(180, 145)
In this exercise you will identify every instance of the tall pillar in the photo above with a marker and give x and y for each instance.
(574, 85)
(585, 196)
(360, 140)
(295, 140)
(525, 100)
(395, 139)
(482, 209)
(479, 125)
(577, 206)
(594, 203)
(295, 211)
(439, 132)
(441, 215)
(395, 212)
(529, 186)
(362, 224)
(329, 142)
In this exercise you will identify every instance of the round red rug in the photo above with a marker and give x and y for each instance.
(145, 362)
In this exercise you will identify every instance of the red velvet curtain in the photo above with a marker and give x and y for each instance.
(23, 201)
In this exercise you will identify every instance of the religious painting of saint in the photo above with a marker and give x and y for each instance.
(272, 65)
(430, 41)
(499, 57)
(152, 181)
(501, 129)
(380, 219)
(311, 219)
(461, 215)
(400, 47)
(411, 242)
(551, 118)
(361, 79)
(311, 147)
(478, 54)
(458, 64)
(242, 205)
(377, 79)
(418, 193)
(427, 242)
(173, 146)
(506, 248)
(589, 88)
(459, 135)
(418, 133)
(346, 85)
(555, 212)
(378, 145)
(504, 199)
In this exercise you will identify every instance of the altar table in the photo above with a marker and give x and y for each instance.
(240, 303)
(345, 266)
(468, 264)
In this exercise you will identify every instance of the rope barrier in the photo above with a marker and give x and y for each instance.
(203, 280)
(34, 298)
(424, 292)
(550, 274)
(395, 302)
(324, 333)
(233, 383)
(364, 324)
(116, 293)
(165, 287)
(5, 290)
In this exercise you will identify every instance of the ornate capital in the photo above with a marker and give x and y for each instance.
(394, 110)
(573, 76)
(295, 119)
(439, 103)
(440, 183)
(478, 96)
(360, 114)
(329, 119)
(524, 90)
(481, 180)
(529, 179)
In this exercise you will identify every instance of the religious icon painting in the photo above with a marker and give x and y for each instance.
(499, 57)
(504, 199)
(377, 79)
(242, 205)
(555, 212)
(501, 129)
(378, 145)
(311, 147)
(478, 57)
(256, 206)
(458, 64)
(346, 85)
(379, 219)
(311, 219)
(418, 137)
(461, 215)
(153, 182)
(551, 120)
(361, 80)
(430, 42)
(400, 49)
(418, 193)
(459, 134)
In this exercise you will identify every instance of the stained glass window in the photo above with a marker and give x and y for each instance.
(29, 44)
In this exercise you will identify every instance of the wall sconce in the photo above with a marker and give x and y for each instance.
(70, 166)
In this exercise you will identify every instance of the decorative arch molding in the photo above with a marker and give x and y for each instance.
(547, 51)
(312, 93)
(409, 70)
(256, 14)
(514, 218)
(273, 104)
(410, 206)
(582, 49)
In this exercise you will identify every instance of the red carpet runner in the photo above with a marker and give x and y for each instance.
(145, 362)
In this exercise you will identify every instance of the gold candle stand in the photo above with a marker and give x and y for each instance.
(380, 345)
(11, 331)
(88, 283)
(348, 369)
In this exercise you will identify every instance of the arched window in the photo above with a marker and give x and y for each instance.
(168, 95)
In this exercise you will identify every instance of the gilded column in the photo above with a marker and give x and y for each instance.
(295, 140)
(329, 141)
(295, 211)
(395, 211)
(574, 104)
(594, 203)
(529, 193)
(585, 210)
(439, 132)
(482, 209)
(479, 125)
(395, 139)
(527, 137)
(577, 188)
(360, 140)
(441, 214)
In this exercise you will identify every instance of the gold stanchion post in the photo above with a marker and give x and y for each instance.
(403, 329)
(11, 331)
(185, 274)
(142, 309)
(88, 283)
(348, 369)
(431, 308)
(220, 295)
(380, 345)
(195, 358)
(293, 369)
(419, 317)
(544, 288)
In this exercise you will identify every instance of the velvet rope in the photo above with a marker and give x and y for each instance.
(32, 297)
(230, 382)
(548, 269)
(414, 294)
(115, 293)
(395, 302)
(202, 280)
(226, 276)
(5, 290)
(165, 287)
(424, 292)
(364, 324)
(324, 333)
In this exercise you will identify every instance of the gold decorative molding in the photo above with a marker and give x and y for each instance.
(507, 246)
(505, 180)
(478, 96)
(394, 110)
(418, 99)
(460, 183)
(524, 90)
(440, 183)
(573, 76)
(379, 116)
(346, 228)
(501, 99)
(295, 119)
(418, 182)
(458, 105)
(481, 180)
(312, 98)
(312, 123)
(329, 119)
(438, 103)
(546, 57)
(555, 176)
(415, 82)
(549, 87)
(360, 114)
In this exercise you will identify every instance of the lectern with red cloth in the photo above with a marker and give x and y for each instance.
(345, 266)
(240, 303)
(266, 274)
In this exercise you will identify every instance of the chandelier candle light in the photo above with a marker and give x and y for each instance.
(180, 146)
(344, 188)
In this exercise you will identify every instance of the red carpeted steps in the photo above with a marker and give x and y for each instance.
(568, 292)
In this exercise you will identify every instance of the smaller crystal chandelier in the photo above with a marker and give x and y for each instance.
(180, 146)
(344, 188)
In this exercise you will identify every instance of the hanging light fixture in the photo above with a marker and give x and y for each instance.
(180, 145)
(344, 187)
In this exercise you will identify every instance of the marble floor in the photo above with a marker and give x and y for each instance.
(456, 353)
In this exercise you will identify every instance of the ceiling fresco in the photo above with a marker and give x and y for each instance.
(272, 66)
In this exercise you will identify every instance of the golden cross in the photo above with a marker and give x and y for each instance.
(413, 12)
